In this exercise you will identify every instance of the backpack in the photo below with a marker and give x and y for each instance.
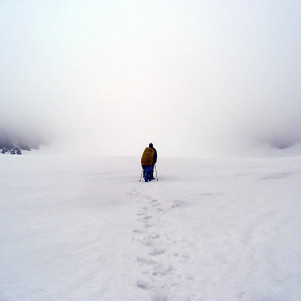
(148, 157)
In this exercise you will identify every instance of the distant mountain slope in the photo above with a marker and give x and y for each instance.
(13, 143)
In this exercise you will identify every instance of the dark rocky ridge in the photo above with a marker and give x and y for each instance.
(15, 144)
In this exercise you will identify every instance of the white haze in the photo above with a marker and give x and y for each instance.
(193, 77)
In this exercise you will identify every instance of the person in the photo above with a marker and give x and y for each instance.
(154, 159)
(148, 160)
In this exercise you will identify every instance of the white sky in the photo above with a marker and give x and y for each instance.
(190, 76)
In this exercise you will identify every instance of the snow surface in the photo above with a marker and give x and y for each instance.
(85, 228)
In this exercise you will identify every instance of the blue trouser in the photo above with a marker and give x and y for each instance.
(148, 173)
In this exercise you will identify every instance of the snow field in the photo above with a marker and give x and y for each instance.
(85, 228)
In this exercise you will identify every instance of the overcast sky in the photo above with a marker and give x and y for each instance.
(190, 76)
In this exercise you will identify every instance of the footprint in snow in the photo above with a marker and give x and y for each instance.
(156, 252)
(147, 261)
(147, 217)
(147, 225)
(142, 284)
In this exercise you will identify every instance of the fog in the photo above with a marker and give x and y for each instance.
(193, 77)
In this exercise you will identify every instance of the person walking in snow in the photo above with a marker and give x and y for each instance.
(154, 159)
(148, 160)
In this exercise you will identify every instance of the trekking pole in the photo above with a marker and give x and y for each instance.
(156, 172)
(141, 175)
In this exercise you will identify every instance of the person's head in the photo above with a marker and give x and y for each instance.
(151, 145)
